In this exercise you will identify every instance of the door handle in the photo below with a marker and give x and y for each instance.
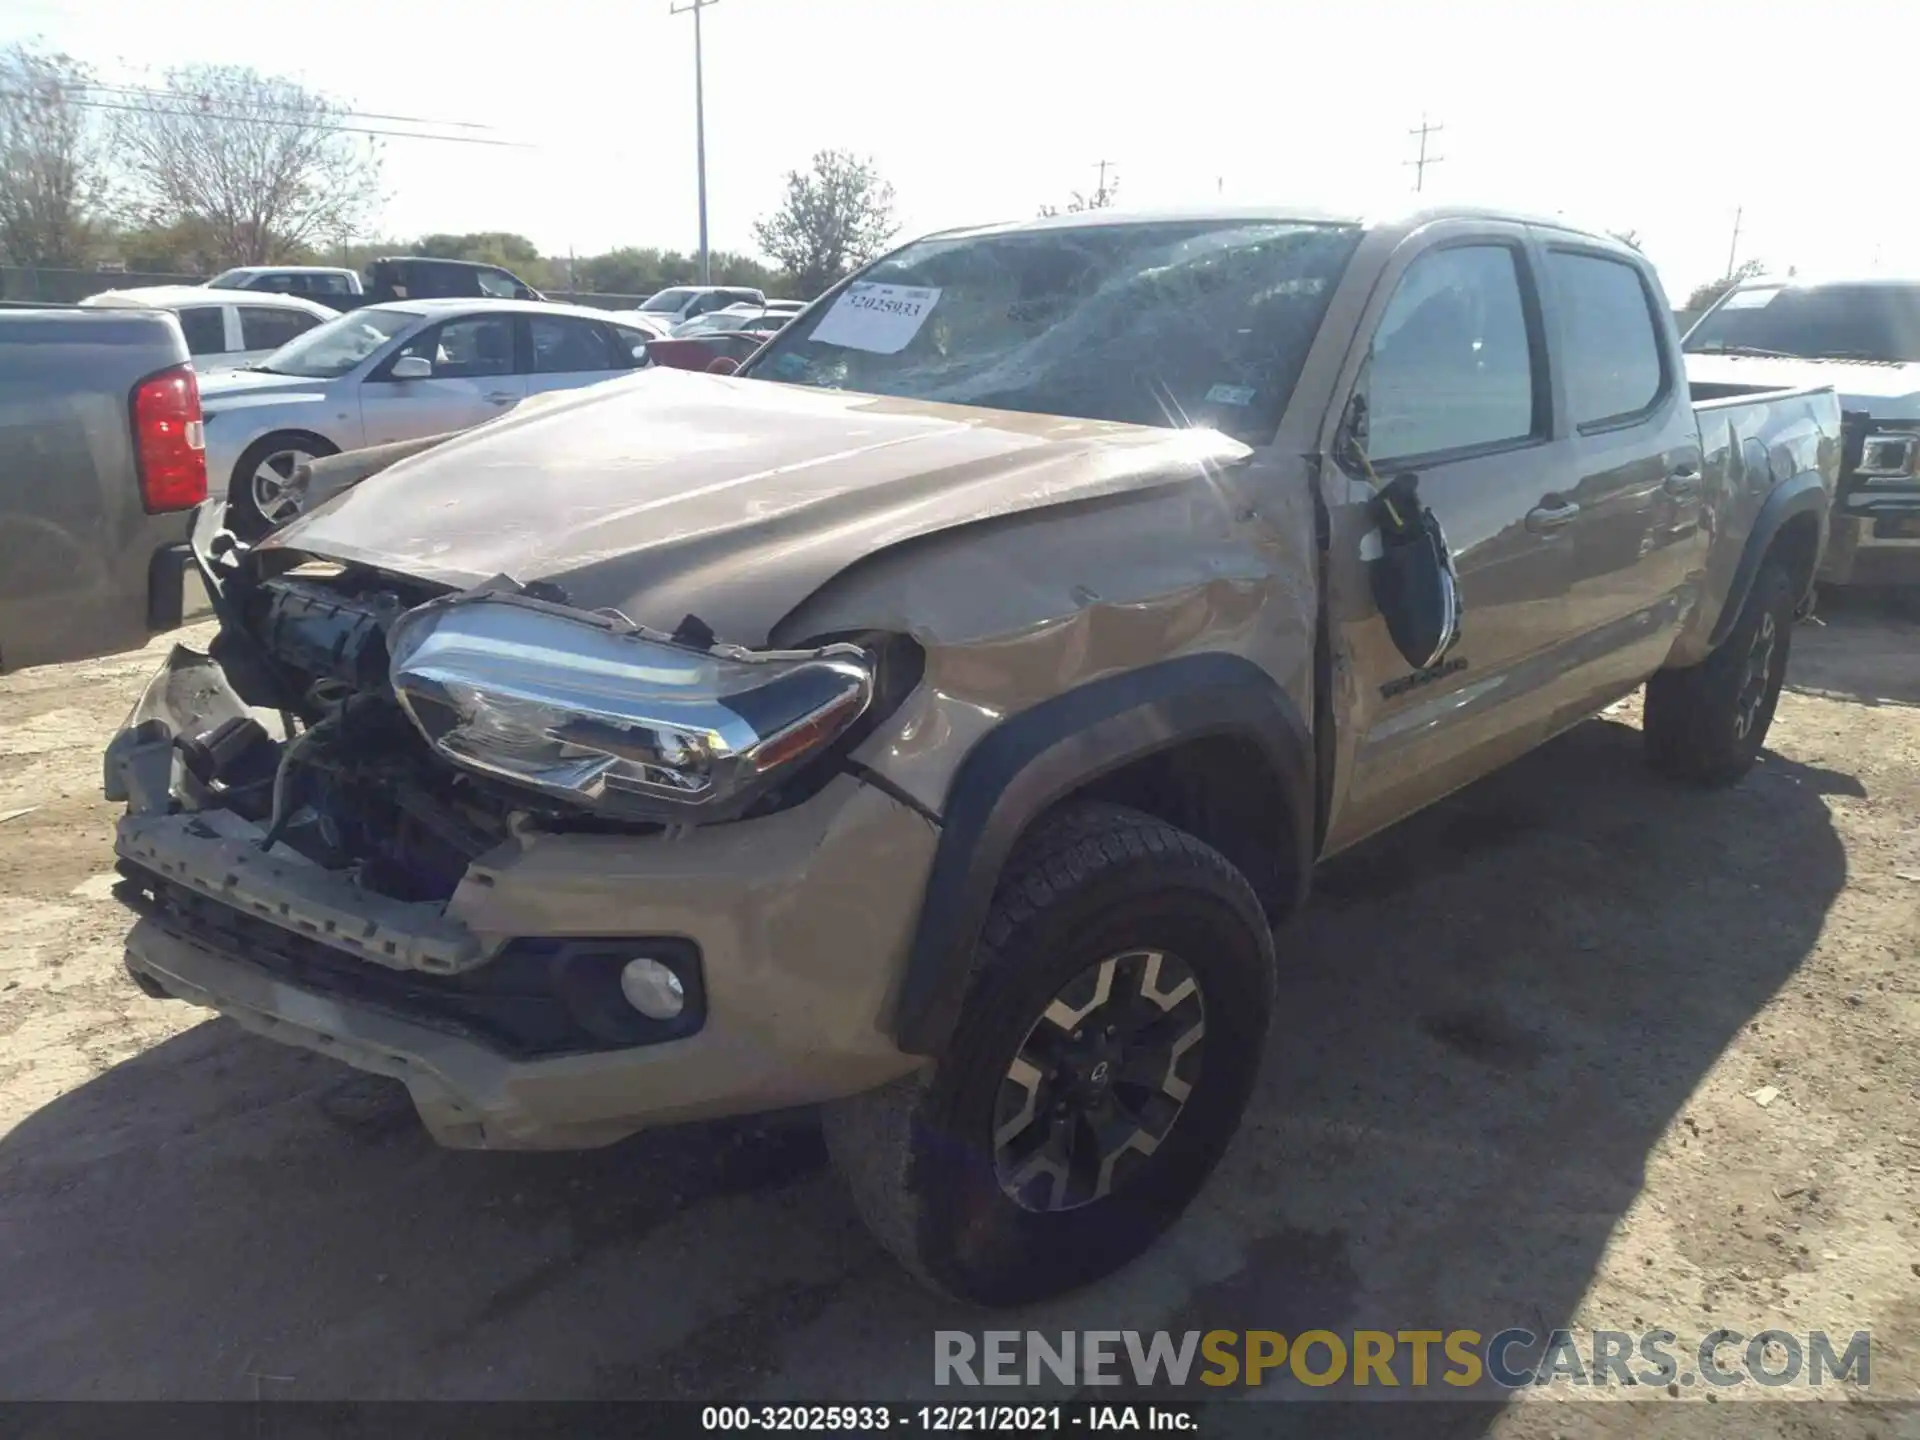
(1545, 519)
(1683, 483)
(501, 397)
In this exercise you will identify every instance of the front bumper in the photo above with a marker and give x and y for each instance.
(802, 919)
(1857, 555)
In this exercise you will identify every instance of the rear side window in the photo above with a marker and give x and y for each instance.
(1612, 351)
(563, 345)
(497, 283)
(1452, 365)
(265, 329)
(205, 327)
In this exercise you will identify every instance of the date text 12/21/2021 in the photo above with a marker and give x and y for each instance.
(937, 1419)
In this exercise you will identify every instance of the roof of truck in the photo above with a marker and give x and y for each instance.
(1303, 214)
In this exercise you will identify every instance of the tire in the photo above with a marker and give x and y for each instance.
(249, 512)
(1705, 725)
(942, 1166)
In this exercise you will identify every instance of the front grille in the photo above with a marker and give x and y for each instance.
(539, 998)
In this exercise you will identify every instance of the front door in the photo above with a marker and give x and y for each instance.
(473, 380)
(1456, 383)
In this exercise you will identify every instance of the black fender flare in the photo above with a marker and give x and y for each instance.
(1802, 494)
(1044, 753)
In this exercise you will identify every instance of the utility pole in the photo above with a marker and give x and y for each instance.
(1100, 192)
(1733, 245)
(1420, 164)
(700, 128)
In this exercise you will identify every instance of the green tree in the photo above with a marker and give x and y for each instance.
(488, 247)
(833, 218)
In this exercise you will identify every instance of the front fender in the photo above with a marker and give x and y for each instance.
(1042, 754)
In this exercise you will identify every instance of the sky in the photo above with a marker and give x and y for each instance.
(1667, 119)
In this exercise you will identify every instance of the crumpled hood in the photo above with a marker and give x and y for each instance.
(676, 493)
(1886, 392)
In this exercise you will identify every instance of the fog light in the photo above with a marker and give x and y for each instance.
(652, 989)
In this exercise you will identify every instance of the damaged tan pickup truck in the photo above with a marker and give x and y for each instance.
(932, 720)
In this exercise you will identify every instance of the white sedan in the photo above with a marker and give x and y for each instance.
(223, 328)
(396, 372)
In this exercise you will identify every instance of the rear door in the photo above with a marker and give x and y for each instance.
(1457, 381)
(1639, 543)
(206, 328)
(265, 328)
(565, 352)
(473, 380)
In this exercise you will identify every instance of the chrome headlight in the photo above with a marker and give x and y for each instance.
(1889, 456)
(619, 721)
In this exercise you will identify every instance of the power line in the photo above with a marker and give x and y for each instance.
(1421, 163)
(148, 92)
(320, 122)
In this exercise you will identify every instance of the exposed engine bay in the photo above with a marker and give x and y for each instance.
(352, 785)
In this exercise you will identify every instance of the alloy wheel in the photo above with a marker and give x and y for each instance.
(1754, 679)
(1099, 1080)
(272, 485)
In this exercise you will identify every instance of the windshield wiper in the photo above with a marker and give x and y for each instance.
(1721, 347)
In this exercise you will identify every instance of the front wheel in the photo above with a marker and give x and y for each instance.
(260, 495)
(1109, 1040)
(1705, 725)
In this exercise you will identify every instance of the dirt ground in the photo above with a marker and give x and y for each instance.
(1512, 1084)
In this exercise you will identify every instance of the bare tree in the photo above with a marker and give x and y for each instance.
(1708, 294)
(835, 217)
(1102, 197)
(1628, 238)
(52, 166)
(263, 163)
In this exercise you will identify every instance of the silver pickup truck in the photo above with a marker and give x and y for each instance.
(102, 462)
(934, 720)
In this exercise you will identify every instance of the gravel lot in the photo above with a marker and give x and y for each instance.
(1512, 1085)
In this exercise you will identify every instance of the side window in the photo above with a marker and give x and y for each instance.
(1452, 363)
(279, 284)
(1612, 352)
(563, 345)
(205, 327)
(264, 329)
(330, 285)
(463, 349)
(497, 283)
(629, 346)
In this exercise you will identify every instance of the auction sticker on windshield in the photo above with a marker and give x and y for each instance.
(878, 318)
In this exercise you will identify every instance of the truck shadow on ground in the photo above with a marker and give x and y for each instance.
(1489, 1018)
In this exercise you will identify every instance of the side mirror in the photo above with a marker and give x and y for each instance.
(412, 367)
(722, 365)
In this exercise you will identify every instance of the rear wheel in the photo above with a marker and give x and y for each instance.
(260, 496)
(1705, 725)
(1110, 1038)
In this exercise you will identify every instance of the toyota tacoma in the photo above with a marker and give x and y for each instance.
(932, 721)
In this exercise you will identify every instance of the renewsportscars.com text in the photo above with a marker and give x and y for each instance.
(1413, 1359)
